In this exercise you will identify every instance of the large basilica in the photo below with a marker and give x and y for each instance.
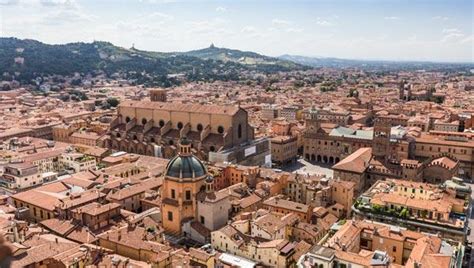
(154, 128)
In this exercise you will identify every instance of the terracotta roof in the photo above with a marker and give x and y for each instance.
(179, 107)
(201, 229)
(95, 208)
(60, 227)
(249, 200)
(135, 189)
(356, 162)
(277, 201)
(42, 248)
(445, 161)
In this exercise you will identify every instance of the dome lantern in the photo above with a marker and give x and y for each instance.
(185, 165)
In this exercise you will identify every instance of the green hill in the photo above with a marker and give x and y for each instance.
(25, 60)
(242, 57)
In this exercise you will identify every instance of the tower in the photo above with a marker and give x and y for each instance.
(312, 121)
(185, 177)
(381, 139)
(158, 95)
(401, 90)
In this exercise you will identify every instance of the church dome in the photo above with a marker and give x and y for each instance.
(185, 165)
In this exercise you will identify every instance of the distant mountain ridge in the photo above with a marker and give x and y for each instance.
(27, 59)
(332, 62)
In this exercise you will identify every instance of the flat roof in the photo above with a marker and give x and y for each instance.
(236, 261)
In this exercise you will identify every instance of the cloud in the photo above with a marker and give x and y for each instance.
(60, 16)
(451, 30)
(63, 12)
(294, 30)
(469, 39)
(323, 22)
(440, 18)
(391, 18)
(221, 9)
(216, 26)
(452, 35)
(248, 29)
(280, 22)
(9, 2)
(53, 3)
(157, 1)
(160, 15)
(252, 32)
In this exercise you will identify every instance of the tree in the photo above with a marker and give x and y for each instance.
(404, 213)
(76, 82)
(6, 87)
(113, 102)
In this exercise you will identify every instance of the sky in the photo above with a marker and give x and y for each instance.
(431, 30)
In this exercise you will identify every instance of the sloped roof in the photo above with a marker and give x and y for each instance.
(356, 162)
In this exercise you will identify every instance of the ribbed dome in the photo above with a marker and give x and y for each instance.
(184, 167)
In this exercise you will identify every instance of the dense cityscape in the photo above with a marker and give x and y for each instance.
(121, 157)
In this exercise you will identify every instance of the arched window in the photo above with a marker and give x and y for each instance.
(212, 148)
(220, 129)
(239, 131)
(179, 125)
(199, 127)
(144, 121)
(152, 140)
(127, 119)
(118, 135)
(134, 137)
(161, 123)
(171, 142)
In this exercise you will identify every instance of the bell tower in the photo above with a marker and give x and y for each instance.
(313, 123)
(381, 139)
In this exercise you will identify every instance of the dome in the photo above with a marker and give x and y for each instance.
(185, 167)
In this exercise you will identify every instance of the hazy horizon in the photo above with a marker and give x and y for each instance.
(386, 30)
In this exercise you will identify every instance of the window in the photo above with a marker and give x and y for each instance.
(170, 216)
(179, 125)
(173, 193)
(127, 119)
(394, 249)
(161, 123)
(188, 195)
(220, 129)
(199, 127)
(202, 220)
(239, 131)
(144, 121)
